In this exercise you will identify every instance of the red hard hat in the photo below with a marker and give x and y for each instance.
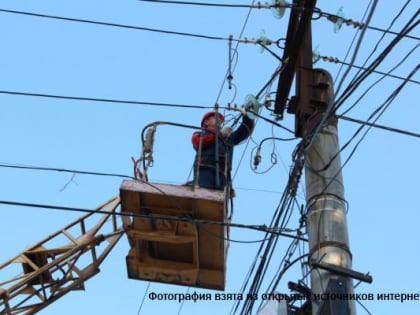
(210, 114)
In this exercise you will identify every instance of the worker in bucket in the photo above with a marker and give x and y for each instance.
(214, 149)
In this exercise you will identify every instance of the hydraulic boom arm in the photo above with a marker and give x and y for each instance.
(53, 267)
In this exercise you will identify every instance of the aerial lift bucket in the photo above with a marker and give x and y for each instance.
(168, 240)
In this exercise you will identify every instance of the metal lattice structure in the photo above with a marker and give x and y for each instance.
(60, 263)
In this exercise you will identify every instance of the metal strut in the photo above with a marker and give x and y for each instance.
(50, 271)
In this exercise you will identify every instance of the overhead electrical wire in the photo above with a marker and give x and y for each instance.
(403, 59)
(358, 44)
(266, 5)
(190, 106)
(359, 25)
(102, 100)
(259, 5)
(350, 46)
(92, 99)
(73, 171)
(248, 308)
(183, 301)
(261, 228)
(62, 170)
(361, 77)
(143, 299)
(390, 75)
(411, 24)
(139, 28)
(366, 123)
(265, 251)
(381, 39)
(229, 72)
(132, 27)
(378, 112)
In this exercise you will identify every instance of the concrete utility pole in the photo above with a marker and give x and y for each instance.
(330, 256)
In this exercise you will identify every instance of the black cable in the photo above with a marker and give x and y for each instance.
(334, 17)
(144, 297)
(129, 102)
(383, 36)
(261, 228)
(182, 303)
(139, 28)
(366, 123)
(253, 266)
(63, 170)
(358, 44)
(265, 252)
(378, 112)
(403, 59)
(209, 4)
(230, 72)
(336, 60)
(103, 100)
(91, 99)
(358, 80)
(260, 5)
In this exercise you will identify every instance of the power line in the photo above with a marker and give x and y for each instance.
(403, 8)
(72, 171)
(366, 123)
(261, 228)
(334, 18)
(336, 60)
(144, 297)
(229, 72)
(411, 24)
(378, 113)
(331, 17)
(140, 28)
(266, 250)
(40, 168)
(103, 100)
(259, 5)
(92, 99)
(403, 59)
(356, 49)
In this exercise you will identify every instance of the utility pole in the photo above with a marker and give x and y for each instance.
(330, 258)
(326, 212)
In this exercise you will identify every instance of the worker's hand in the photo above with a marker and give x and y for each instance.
(226, 131)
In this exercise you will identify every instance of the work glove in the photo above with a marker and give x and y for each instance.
(226, 131)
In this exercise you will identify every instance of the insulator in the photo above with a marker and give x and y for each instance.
(263, 40)
(315, 55)
(279, 8)
(252, 106)
(339, 22)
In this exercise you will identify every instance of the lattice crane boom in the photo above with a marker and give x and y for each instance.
(60, 263)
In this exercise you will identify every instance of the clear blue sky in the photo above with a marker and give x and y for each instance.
(48, 56)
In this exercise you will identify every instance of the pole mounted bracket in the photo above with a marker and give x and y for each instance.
(296, 45)
(341, 271)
